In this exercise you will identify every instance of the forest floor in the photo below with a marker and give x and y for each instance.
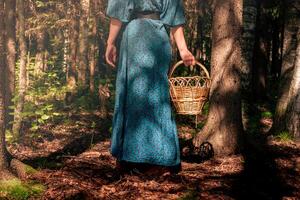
(73, 161)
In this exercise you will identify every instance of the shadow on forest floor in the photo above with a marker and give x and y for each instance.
(265, 170)
(53, 141)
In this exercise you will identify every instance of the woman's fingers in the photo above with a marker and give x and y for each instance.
(111, 56)
(189, 60)
(110, 61)
(187, 57)
(114, 58)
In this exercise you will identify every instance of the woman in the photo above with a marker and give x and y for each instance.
(144, 128)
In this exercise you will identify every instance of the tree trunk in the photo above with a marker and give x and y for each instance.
(293, 110)
(72, 63)
(275, 67)
(22, 74)
(285, 96)
(4, 166)
(83, 44)
(93, 51)
(40, 57)
(249, 26)
(260, 57)
(10, 26)
(224, 126)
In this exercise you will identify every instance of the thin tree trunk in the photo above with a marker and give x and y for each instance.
(224, 124)
(22, 75)
(40, 57)
(260, 57)
(83, 43)
(292, 23)
(275, 67)
(73, 38)
(249, 26)
(10, 26)
(93, 51)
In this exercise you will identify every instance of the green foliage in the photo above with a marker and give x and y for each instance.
(16, 190)
(39, 114)
(9, 136)
(86, 102)
(44, 97)
(267, 114)
(110, 129)
(200, 125)
(284, 136)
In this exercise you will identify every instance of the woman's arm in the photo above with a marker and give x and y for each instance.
(111, 50)
(185, 54)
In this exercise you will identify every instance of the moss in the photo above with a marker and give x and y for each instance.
(189, 195)
(30, 170)
(15, 189)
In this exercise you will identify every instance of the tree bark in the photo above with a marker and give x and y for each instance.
(249, 26)
(224, 124)
(83, 43)
(260, 56)
(4, 164)
(93, 50)
(10, 26)
(293, 110)
(73, 39)
(40, 57)
(22, 74)
(285, 96)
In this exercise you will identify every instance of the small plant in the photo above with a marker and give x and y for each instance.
(267, 114)
(40, 114)
(284, 136)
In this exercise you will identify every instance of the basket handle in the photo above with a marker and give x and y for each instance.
(181, 62)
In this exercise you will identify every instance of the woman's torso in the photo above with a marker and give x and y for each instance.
(148, 5)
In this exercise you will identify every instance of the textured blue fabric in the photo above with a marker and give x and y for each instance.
(144, 128)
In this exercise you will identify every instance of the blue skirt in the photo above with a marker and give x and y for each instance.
(143, 127)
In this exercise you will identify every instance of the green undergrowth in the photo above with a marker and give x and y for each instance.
(15, 189)
(284, 136)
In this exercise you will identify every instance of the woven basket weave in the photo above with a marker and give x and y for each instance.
(189, 94)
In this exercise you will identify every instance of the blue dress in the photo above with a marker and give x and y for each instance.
(143, 126)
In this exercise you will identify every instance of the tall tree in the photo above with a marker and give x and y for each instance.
(249, 26)
(4, 172)
(293, 110)
(93, 46)
(41, 54)
(10, 26)
(22, 74)
(83, 43)
(73, 33)
(287, 91)
(224, 124)
(260, 54)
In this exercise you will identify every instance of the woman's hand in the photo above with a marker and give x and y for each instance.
(185, 54)
(111, 50)
(187, 57)
(111, 54)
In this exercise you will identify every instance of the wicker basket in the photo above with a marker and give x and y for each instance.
(189, 94)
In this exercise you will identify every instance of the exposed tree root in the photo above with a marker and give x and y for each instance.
(21, 169)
